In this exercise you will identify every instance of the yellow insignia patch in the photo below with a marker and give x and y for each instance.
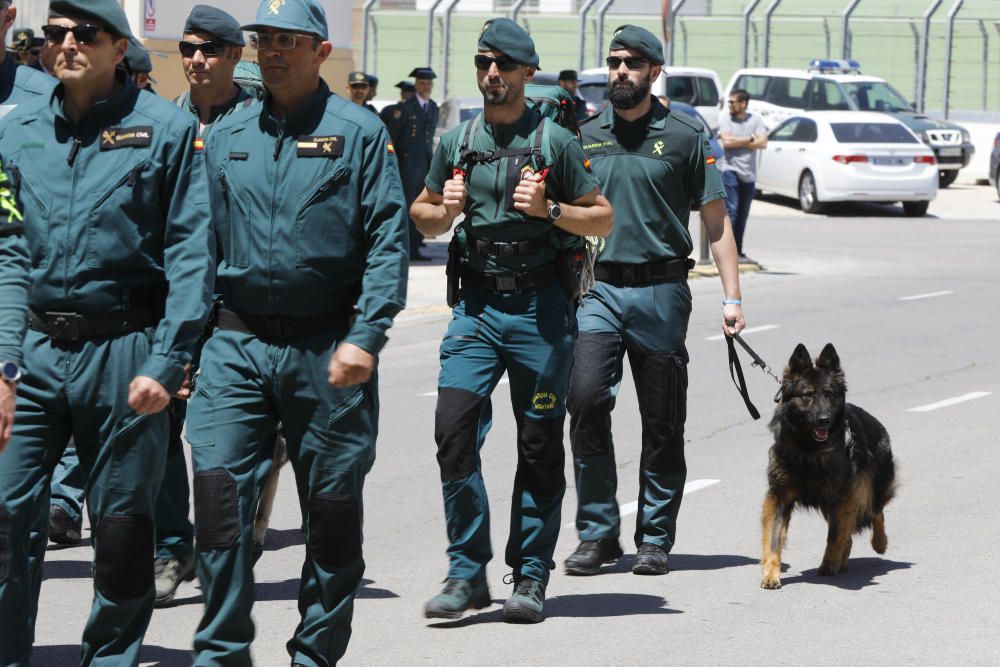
(544, 400)
(658, 148)
(274, 6)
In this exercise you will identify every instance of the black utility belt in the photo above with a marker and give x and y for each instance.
(74, 326)
(509, 248)
(650, 273)
(510, 282)
(279, 327)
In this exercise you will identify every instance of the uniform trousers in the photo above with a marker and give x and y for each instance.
(649, 323)
(79, 389)
(246, 387)
(530, 336)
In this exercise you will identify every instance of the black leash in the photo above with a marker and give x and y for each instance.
(736, 371)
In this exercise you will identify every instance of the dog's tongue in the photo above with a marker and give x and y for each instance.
(821, 434)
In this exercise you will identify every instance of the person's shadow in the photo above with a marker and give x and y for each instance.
(591, 605)
(68, 655)
(860, 573)
(690, 562)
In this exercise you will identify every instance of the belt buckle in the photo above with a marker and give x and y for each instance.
(63, 326)
(504, 249)
(506, 283)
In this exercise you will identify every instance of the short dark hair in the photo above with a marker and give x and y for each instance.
(740, 95)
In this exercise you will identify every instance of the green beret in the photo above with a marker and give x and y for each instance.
(510, 38)
(215, 22)
(137, 59)
(639, 40)
(108, 12)
(357, 78)
(305, 16)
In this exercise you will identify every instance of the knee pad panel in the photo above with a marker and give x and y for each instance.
(123, 556)
(5, 553)
(661, 384)
(334, 530)
(456, 430)
(540, 456)
(216, 510)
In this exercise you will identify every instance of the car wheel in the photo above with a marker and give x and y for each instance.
(946, 178)
(915, 209)
(808, 199)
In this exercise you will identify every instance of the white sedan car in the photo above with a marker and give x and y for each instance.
(828, 156)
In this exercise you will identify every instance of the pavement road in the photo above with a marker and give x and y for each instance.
(912, 307)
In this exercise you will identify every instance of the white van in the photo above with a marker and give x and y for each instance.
(696, 86)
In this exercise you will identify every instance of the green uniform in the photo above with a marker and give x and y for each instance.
(19, 85)
(651, 171)
(310, 222)
(523, 325)
(116, 269)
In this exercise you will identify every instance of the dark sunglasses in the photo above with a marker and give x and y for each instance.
(208, 49)
(614, 62)
(83, 34)
(503, 63)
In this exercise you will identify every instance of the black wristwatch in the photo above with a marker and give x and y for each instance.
(10, 372)
(555, 212)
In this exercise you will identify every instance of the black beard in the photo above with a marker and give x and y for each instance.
(628, 95)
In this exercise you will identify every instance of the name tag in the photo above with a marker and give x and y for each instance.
(332, 146)
(239, 156)
(120, 137)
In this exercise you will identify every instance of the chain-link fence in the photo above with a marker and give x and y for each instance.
(942, 53)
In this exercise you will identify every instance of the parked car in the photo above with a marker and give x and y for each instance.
(995, 164)
(694, 86)
(687, 109)
(850, 156)
(832, 85)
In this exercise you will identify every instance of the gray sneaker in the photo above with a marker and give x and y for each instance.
(168, 574)
(526, 603)
(457, 596)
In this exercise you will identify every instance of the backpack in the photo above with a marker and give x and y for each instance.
(554, 103)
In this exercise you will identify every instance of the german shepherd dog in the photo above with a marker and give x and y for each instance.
(827, 455)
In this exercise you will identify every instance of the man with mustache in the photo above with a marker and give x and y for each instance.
(528, 199)
(652, 164)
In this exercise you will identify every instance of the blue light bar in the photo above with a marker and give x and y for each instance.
(835, 66)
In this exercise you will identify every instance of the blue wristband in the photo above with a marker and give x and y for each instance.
(735, 302)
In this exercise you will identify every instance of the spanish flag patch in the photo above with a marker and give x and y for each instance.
(710, 159)
(586, 163)
(390, 148)
(199, 145)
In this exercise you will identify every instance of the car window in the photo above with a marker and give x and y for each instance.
(594, 92)
(826, 96)
(754, 84)
(805, 131)
(876, 96)
(872, 133)
(708, 94)
(682, 89)
(787, 92)
(785, 131)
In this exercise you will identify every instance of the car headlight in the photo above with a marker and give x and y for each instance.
(966, 137)
(924, 138)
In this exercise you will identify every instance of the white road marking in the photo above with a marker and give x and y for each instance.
(925, 296)
(764, 327)
(503, 380)
(628, 509)
(971, 396)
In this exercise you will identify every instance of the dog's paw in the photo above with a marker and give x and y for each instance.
(770, 582)
(880, 543)
(828, 568)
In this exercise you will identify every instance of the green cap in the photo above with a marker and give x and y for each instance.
(506, 36)
(639, 40)
(305, 16)
(215, 22)
(137, 59)
(108, 12)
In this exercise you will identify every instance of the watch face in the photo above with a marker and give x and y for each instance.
(10, 371)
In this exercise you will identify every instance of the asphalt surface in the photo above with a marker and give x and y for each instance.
(911, 305)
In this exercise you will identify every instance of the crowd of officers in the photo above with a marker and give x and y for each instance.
(224, 264)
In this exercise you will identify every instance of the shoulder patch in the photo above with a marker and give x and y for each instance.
(329, 146)
(121, 137)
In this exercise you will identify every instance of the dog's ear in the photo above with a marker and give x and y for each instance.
(800, 361)
(829, 359)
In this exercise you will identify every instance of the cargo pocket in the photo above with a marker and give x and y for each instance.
(129, 458)
(199, 428)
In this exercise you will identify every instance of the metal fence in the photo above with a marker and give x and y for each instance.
(942, 53)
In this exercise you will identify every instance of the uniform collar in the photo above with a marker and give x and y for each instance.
(657, 119)
(222, 109)
(502, 134)
(300, 121)
(104, 112)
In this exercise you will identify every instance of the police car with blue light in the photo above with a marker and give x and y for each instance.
(839, 85)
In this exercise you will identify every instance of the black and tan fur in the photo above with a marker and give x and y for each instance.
(827, 455)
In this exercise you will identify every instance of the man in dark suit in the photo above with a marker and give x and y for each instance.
(569, 82)
(413, 137)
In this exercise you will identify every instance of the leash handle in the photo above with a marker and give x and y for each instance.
(736, 371)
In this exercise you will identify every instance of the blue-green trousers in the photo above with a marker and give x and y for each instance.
(80, 390)
(245, 388)
(650, 324)
(530, 336)
(174, 532)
